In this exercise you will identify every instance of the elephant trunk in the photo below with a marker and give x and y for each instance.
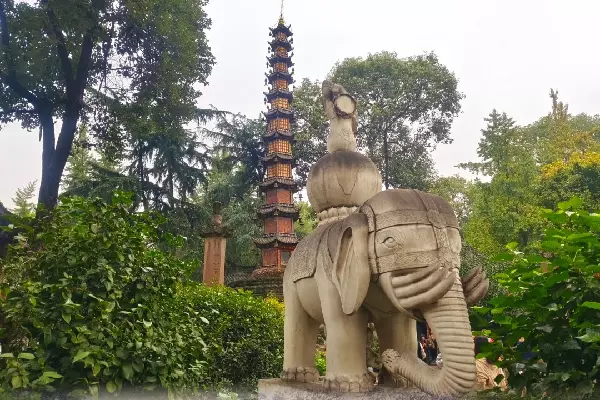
(449, 322)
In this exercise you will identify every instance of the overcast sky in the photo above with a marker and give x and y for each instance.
(506, 54)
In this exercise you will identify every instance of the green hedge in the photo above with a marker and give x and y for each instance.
(94, 303)
(244, 333)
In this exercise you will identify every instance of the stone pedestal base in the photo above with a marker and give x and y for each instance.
(276, 389)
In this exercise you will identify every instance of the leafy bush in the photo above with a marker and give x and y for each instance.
(244, 333)
(551, 301)
(95, 297)
(321, 362)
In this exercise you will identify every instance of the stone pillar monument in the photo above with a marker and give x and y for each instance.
(215, 240)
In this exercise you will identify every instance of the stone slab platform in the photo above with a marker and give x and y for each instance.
(276, 389)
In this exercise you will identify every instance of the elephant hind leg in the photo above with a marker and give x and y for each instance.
(300, 340)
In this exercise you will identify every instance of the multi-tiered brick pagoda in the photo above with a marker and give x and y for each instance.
(278, 211)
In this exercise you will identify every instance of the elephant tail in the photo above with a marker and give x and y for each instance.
(449, 322)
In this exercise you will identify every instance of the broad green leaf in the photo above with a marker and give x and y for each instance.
(556, 278)
(203, 319)
(147, 324)
(80, 355)
(94, 228)
(512, 245)
(52, 374)
(563, 205)
(591, 304)
(127, 369)
(110, 306)
(7, 355)
(66, 317)
(26, 356)
(16, 382)
(550, 245)
(591, 336)
(111, 387)
(575, 203)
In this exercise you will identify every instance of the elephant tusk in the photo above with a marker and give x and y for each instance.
(409, 279)
(430, 296)
(422, 285)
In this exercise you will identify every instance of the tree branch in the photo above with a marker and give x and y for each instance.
(11, 77)
(61, 46)
(83, 67)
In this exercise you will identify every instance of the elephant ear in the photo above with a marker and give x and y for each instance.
(351, 273)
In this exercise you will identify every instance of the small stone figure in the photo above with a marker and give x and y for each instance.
(340, 108)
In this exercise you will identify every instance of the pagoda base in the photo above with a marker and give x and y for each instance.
(262, 286)
(266, 272)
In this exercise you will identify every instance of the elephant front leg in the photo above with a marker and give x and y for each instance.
(300, 340)
(346, 350)
(398, 332)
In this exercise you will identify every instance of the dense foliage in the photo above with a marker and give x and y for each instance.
(94, 302)
(92, 291)
(244, 333)
(551, 301)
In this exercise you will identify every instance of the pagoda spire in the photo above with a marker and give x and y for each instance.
(278, 211)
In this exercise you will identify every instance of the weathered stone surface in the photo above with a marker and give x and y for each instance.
(214, 261)
(276, 389)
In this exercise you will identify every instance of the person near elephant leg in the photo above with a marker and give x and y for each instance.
(487, 372)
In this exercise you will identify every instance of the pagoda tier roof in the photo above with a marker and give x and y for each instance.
(275, 43)
(276, 239)
(278, 209)
(275, 58)
(280, 113)
(282, 28)
(269, 136)
(273, 76)
(277, 182)
(272, 158)
(278, 93)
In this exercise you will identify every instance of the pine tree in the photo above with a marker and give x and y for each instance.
(24, 206)
(79, 163)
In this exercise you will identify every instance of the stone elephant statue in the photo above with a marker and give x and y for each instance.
(392, 261)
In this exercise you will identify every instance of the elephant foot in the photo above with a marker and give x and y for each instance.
(300, 374)
(348, 383)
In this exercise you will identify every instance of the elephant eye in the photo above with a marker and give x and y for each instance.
(390, 242)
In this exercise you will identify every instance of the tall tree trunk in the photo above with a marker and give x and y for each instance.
(54, 158)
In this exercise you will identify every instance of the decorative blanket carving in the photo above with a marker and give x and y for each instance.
(304, 259)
